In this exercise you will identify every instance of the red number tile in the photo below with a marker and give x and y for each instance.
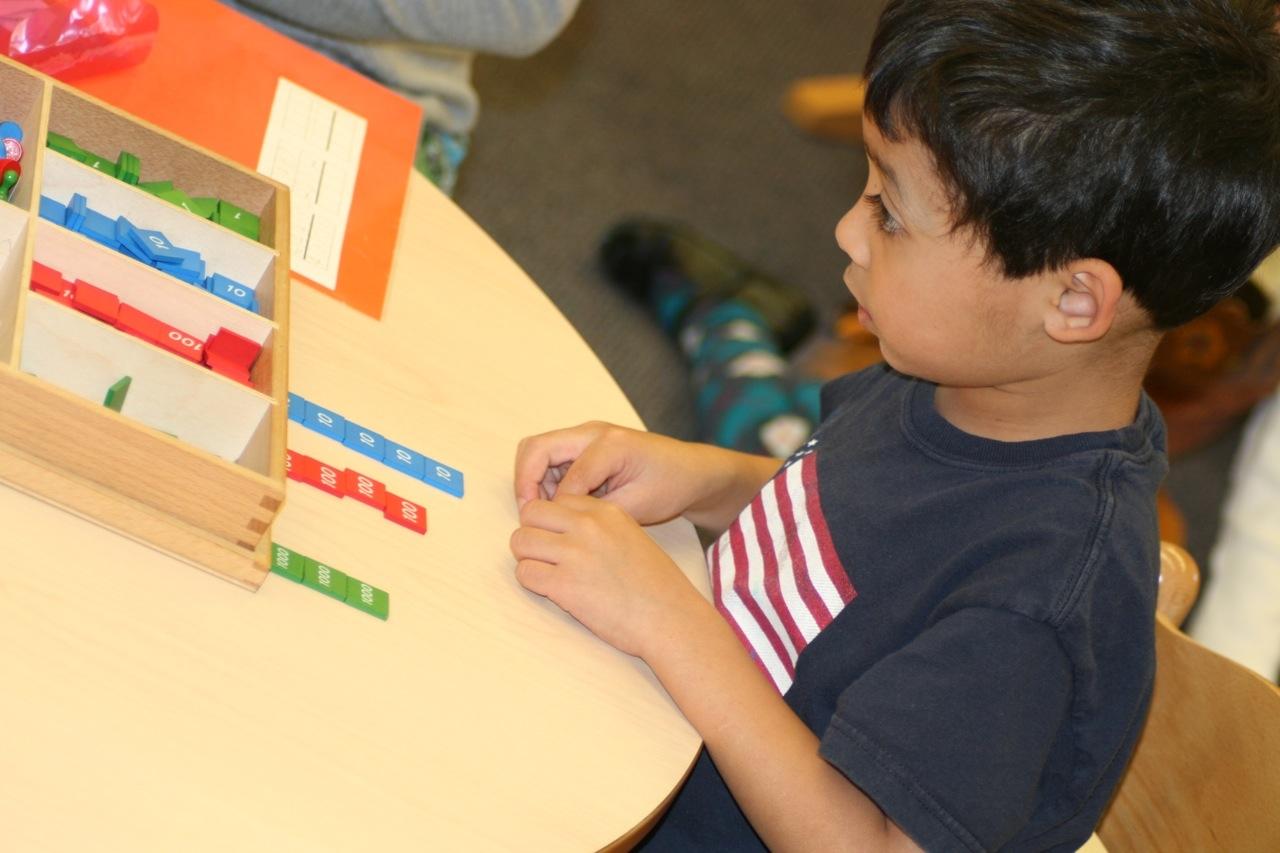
(232, 349)
(328, 479)
(180, 343)
(364, 489)
(138, 323)
(46, 279)
(298, 466)
(406, 513)
(96, 302)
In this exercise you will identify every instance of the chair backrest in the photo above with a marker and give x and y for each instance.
(1179, 583)
(1205, 774)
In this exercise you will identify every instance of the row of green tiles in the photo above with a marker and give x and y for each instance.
(330, 581)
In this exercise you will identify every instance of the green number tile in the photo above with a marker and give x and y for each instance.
(66, 145)
(127, 167)
(370, 599)
(157, 187)
(287, 563)
(102, 164)
(205, 208)
(116, 394)
(175, 196)
(237, 219)
(326, 579)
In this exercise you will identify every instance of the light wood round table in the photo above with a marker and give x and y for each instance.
(146, 705)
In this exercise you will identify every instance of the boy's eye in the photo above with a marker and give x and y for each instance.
(884, 219)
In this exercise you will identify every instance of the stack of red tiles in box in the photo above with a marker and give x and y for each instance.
(224, 352)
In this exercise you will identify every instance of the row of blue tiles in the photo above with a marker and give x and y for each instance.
(329, 423)
(150, 247)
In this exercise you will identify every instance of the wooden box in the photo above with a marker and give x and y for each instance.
(194, 463)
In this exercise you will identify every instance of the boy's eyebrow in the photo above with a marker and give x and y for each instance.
(884, 170)
(890, 179)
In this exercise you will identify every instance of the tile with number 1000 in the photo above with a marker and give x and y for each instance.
(324, 578)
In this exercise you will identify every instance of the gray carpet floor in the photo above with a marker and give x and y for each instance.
(671, 108)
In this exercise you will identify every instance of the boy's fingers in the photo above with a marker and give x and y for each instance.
(545, 515)
(589, 471)
(550, 481)
(536, 576)
(535, 454)
(531, 543)
(575, 505)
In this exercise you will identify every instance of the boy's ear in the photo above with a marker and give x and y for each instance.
(1084, 306)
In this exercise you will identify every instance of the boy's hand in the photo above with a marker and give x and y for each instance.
(646, 474)
(598, 565)
(652, 477)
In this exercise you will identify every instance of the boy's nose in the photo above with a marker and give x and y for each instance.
(851, 235)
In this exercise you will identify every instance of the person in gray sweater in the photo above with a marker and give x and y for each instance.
(422, 49)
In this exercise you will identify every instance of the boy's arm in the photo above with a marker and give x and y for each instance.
(595, 562)
(734, 479)
(768, 757)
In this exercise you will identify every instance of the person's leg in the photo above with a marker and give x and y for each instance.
(747, 397)
(422, 49)
(734, 324)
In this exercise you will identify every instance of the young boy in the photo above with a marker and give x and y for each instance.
(933, 628)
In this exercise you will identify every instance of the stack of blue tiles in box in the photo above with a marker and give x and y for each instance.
(150, 247)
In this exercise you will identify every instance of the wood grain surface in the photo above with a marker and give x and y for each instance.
(149, 706)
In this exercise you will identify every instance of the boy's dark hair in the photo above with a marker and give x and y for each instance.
(1145, 133)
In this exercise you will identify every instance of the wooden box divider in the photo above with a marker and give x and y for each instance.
(209, 500)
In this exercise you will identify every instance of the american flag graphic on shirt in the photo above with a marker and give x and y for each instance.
(775, 575)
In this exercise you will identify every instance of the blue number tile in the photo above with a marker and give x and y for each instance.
(325, 422)
(190, 269)
(76, 210)
(231, 290)
(403, 459)
(52, 210)
(365, 441)
(157, 246)
(443, 478)
(125, 239)
(298, 408)
(99, 228)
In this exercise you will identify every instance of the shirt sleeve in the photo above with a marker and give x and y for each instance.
(950, 734)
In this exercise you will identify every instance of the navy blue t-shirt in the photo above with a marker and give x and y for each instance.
(966, 624)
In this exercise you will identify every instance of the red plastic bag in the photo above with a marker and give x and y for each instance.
(77, 38)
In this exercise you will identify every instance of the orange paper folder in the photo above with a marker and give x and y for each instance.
(211, 77)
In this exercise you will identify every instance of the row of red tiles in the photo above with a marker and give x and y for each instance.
(351, 483)
(224, 352)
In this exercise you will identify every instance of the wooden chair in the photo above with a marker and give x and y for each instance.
(1205, 775)
(829, 107)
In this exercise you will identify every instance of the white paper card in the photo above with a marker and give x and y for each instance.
(313, 146)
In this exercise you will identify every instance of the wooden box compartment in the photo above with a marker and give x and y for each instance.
(193, 464)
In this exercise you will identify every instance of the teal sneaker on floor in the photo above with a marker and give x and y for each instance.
(439, 157)
(677, 272)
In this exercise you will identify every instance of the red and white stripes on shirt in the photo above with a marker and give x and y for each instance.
(775, 575)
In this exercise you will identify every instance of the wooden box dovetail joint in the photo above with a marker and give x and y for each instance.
(193, 465)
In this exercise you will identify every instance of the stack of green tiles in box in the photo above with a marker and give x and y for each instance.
(127, 169)
(330, 581)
